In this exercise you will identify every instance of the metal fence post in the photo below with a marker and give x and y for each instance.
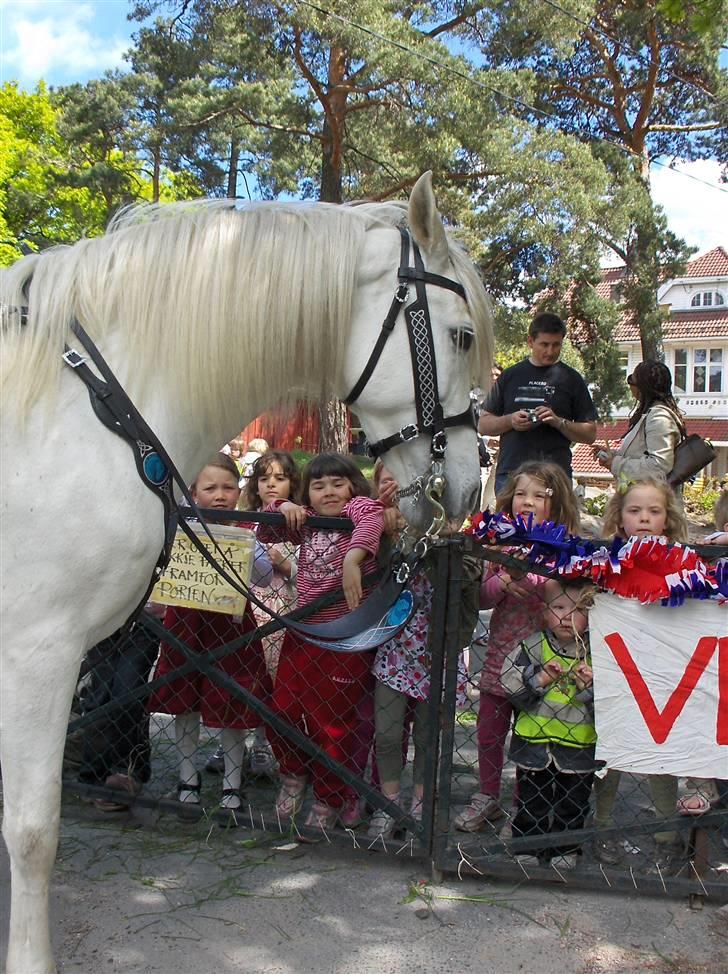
(451, 653)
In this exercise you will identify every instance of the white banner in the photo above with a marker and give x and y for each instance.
(661, 686)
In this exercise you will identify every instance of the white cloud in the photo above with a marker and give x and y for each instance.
(696, 212)
(59, 42)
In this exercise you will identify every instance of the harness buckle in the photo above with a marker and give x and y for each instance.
(409, 432)
(439, 444)
(402, 292)
(73, 358)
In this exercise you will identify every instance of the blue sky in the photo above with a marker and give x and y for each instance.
(63, 41)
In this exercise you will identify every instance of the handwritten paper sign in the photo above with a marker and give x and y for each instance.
(190, 581)
(661, 686)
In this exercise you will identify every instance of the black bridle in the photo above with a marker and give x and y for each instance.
(431, 420)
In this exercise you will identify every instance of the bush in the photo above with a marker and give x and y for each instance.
(700, 496)
(595, 505)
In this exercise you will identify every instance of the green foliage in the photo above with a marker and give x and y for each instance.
(596, 505)
(37, 205)
(67, 163)
(700, 496)
(365, 464)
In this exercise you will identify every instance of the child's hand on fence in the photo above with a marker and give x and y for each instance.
(294, 514)
(718, 537)
(393, 520)
(583, 676)
(509, 583)
(551, 671)
(280, 561)
(387, 492)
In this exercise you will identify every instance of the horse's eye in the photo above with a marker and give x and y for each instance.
(462, 339)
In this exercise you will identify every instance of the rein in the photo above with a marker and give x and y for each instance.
(114, 408)
(431, 420)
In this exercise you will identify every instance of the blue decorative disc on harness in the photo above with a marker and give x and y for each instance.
(155, 469)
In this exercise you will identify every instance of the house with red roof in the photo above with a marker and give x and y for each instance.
(695, 337)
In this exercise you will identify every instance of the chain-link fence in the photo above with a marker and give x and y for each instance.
(482, 759)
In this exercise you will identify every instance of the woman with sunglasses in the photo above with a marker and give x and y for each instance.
(655, 427)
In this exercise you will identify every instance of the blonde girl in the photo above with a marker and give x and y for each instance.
(544, 491)
(644, 508)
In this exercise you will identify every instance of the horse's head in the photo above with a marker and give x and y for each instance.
(413, 396)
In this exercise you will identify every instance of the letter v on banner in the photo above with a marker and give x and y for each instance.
(661, 722)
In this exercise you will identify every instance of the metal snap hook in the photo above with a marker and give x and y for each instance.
(433, 491)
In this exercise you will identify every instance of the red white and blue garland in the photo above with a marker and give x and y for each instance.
(648, 569)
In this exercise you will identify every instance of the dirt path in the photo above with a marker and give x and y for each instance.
(173, 899)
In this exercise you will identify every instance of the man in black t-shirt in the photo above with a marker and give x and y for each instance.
(540, 406)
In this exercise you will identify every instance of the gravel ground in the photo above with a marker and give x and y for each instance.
(132, 894)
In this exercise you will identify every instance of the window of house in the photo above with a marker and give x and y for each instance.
(698, 370)
(715, 370)
(680, 372)
(700, 356)
(615, 293)
(707, 298)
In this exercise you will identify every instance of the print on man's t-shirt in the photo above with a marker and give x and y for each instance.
(534, 394)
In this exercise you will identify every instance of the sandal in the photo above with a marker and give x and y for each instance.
(228, 815)
(189, 809)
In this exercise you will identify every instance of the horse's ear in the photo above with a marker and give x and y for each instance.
(425, 222)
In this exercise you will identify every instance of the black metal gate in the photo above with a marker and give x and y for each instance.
(111, 714)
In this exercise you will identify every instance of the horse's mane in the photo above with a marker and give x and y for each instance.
(198, 286)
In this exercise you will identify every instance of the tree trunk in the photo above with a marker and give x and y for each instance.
(333, 427)
(232, 176)
(156, 172)
(644, 279)
(330, 171)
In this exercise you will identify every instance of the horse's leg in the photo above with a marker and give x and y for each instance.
(38, 680)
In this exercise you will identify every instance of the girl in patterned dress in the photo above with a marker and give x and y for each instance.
(274, 476)
(402, 670)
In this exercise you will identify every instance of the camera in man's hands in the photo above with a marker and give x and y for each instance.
(532, 417)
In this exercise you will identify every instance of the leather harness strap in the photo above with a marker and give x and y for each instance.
(430, 418)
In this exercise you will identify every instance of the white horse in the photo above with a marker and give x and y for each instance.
(208, 313)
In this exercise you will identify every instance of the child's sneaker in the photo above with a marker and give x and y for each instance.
(290, 796)
(381, 825)
(322, 816)
(481, 809)
(416, 811)
(262, 760)
(352, 812)
(565, 862)
(607, 851)
(216, 762)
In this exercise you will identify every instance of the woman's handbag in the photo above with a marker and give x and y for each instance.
(691, 454)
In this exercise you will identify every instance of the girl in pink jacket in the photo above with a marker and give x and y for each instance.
(543, 490)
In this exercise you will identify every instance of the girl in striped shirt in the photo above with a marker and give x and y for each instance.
(316, 689)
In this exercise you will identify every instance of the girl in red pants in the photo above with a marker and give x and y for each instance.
(318, 690)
